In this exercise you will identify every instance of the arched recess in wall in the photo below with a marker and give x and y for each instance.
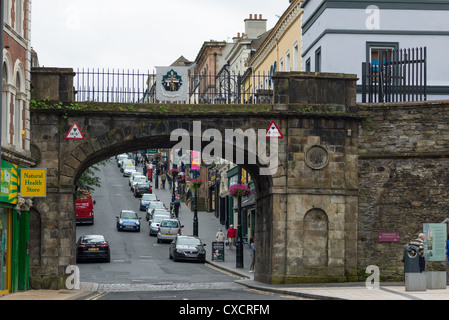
(6, 95)
(316, 235)
(35, 237)
(19, 103)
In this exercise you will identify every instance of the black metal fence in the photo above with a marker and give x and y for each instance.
(123, 86)
(399, 75)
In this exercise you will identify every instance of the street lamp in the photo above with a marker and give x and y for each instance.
(239, 243)
(195, 185)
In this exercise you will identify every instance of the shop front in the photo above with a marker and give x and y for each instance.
(14, 232)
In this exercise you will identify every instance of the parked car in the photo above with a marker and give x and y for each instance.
(146, 199)
(152, 206)
(155, 222)
(128, 220)
(132, 176)
(126, 163)
(120, 158)
(187, 248)
(168, 230)
(92, 247)
(136, 180)
(141, 188)
(128, 170)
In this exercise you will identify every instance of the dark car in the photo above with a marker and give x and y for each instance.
(92, 247)
(187, 248)
(142, 188)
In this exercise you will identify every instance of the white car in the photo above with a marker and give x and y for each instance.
(168, 230)
(131, 177)
(136, 180)
(155, 222)
(128, 170)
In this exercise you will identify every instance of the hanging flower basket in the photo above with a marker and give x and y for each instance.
(239, 190)
(157, 156)
(173, 172)
(195, 184)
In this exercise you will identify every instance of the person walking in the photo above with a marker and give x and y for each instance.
(230, 236)
(220, 237)
(150, 171)
(163, 178)
(177, 206)
(253, 254)
(419, 243)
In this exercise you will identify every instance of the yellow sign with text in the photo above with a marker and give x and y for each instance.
(33, 182)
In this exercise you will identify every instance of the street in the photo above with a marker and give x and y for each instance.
(140, 268)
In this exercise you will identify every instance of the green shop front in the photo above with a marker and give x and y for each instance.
(14, 232)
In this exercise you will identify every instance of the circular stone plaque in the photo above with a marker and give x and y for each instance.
(317, 157)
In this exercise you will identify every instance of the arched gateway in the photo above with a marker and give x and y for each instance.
(315, 170)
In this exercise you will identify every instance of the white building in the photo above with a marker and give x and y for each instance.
(337, 36)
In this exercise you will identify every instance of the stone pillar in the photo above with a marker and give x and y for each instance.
(309, 220)
(52, 84)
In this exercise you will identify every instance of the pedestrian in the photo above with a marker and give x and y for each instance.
(230, 236)
(447, 260)
(145, 169)
(163, 178)
(220, 237)
(253, 254)
(150, 172)
(419, 243)
(177, 206)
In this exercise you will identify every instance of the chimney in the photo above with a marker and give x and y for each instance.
(255, 27)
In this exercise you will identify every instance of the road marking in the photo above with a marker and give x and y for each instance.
(98, 296)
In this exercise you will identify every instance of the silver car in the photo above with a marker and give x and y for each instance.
(155, 222)
(136, 180)
(168, 230)
(152, 206)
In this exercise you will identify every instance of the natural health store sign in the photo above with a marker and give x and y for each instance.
(33, 182)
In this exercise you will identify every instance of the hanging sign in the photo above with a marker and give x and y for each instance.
(74, 133)
(33, 182)
(273, 131)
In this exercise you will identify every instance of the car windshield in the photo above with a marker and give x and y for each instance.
(140, 179)
(93, 239)
(189, 241)
(149, 197)
(169, 224)
(129, 215)
(157, 205)
(130, 168)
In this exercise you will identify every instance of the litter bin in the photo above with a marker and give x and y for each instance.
(414, 279)
(411, 259)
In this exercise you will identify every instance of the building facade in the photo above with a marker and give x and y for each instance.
(337, 36)
(15, 146)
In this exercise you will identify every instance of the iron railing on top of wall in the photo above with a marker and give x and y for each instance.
(400, 75)
(136, 87)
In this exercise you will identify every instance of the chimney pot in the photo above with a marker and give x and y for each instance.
(250, 16)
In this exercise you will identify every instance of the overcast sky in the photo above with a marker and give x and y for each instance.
(137, 34)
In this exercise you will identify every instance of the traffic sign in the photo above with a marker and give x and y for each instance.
(74, 133)
(273, 131)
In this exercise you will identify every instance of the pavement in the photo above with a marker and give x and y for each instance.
(208, 226)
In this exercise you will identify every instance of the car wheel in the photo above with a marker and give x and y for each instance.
(169, 255)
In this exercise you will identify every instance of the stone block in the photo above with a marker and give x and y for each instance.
(415, 281)
(436, 280)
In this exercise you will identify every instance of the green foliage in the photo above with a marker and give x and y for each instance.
(88, 180)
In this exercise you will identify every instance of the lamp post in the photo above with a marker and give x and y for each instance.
(195, 184)
(239, 242)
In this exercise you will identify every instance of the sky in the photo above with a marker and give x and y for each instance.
(137, 34)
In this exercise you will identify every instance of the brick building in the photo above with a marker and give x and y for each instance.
(15, 145)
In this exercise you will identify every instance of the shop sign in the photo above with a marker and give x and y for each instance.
(218, 251)
(9, 182)
(33, 182)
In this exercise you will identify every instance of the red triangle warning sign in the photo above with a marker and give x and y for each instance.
(74, 133)
(274, 132)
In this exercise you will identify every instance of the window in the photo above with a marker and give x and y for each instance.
(281, 64)
(296, 56)
(318, 60)
(308, 65)
(287, 61)
(18, 24)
